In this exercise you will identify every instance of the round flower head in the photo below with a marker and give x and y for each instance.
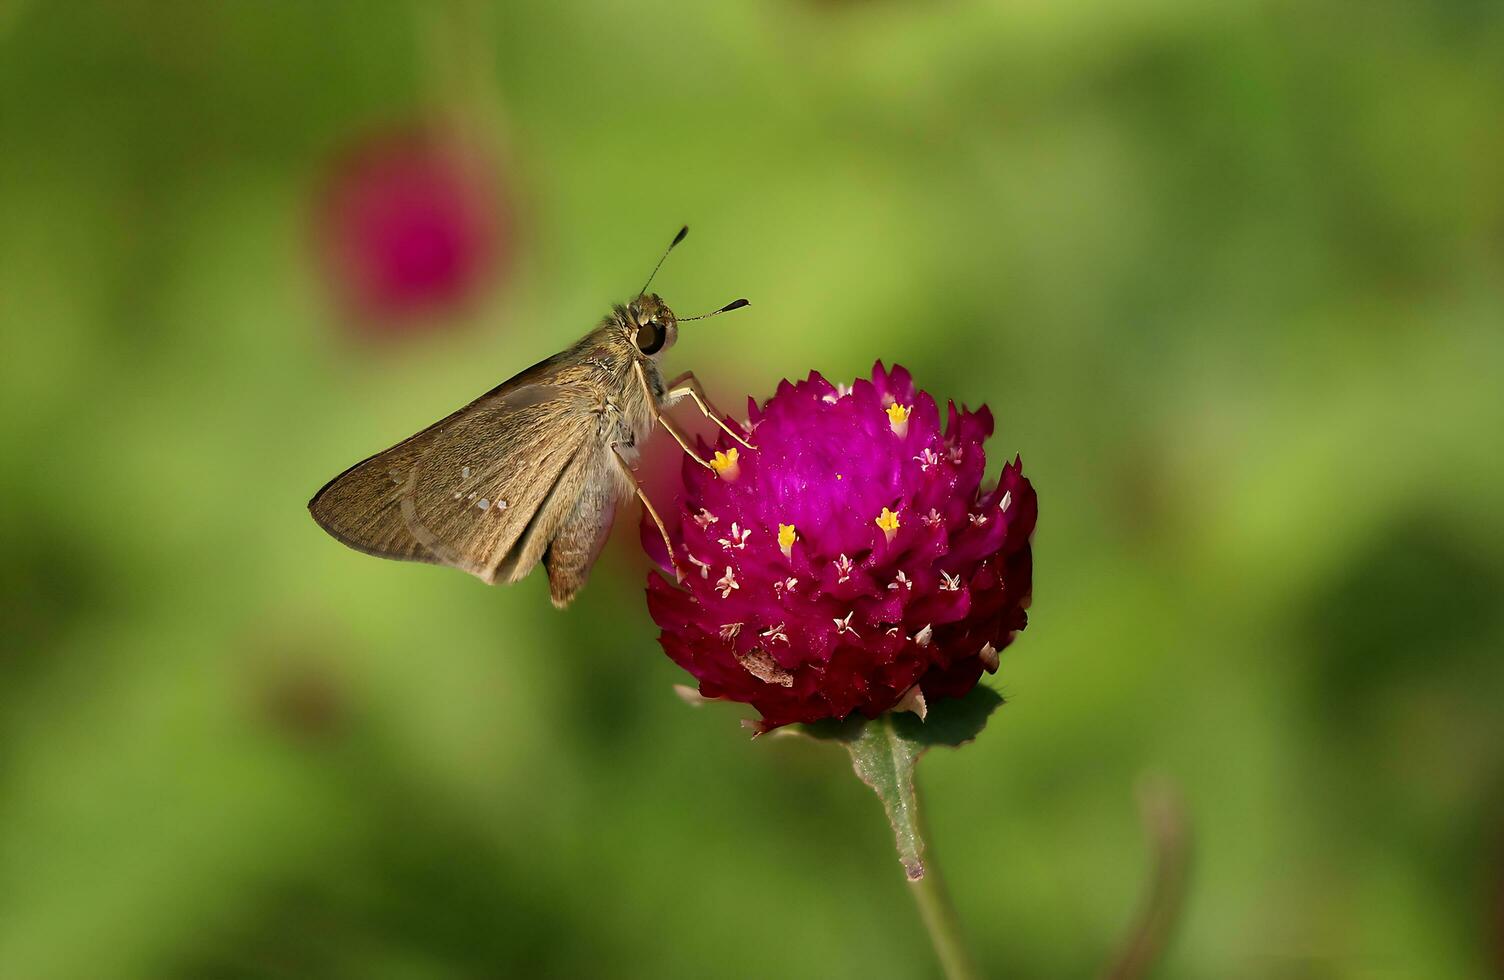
(852, 561)
(411, 224)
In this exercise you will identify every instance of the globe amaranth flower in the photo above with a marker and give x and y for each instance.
(411, 223)
(852, 561)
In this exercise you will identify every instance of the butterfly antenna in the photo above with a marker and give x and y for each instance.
(735, 304)
(677, 239)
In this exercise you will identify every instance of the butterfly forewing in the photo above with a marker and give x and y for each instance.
(362, 507)
(480, 491)
(466, 490)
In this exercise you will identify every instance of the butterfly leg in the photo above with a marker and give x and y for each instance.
(627, 471)
(688, 384)
(668, 424)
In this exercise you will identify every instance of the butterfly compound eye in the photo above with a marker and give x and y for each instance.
(650, 337)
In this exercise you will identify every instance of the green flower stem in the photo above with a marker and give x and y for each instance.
(883, 753)
(941, 922)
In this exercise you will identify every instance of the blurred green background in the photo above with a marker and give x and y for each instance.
(1230, 275)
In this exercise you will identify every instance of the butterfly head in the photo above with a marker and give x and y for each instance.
(651, 324)
(647, 320)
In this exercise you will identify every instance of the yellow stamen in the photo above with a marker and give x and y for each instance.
(726, 465)
(898, 419)
(786, 539)
(888, 521)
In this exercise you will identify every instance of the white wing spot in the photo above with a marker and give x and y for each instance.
(465, 472)
(483, 503)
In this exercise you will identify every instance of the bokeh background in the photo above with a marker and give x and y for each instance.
(1229, 275)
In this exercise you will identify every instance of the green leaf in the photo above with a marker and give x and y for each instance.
(885, 749)
(884, 760)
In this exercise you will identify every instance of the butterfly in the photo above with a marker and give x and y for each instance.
(534, 469)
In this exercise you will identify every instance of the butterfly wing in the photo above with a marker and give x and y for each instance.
(582, 532)
(483, 490)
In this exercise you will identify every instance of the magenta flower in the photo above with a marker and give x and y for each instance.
(410, 224)
(852, 562)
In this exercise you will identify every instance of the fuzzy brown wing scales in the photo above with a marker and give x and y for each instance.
(362, 507)
(485, 490)
(572, 550)
(464, 490)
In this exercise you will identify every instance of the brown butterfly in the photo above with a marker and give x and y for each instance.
(533, 469)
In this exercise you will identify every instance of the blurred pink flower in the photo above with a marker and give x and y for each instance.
(411, 224)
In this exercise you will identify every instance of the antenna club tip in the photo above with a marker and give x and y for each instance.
(737, 304)
(679, 237)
